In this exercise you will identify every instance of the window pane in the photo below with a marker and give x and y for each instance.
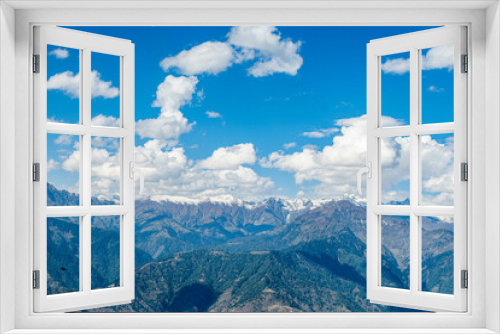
(105, 88)
(106, 171)
(395, 89)
(63, 170)
(63, 255)
(437, 84)
(105, 252)
(437, 254)
(395, 170)
(395, 251)
(63, 85)
(437, 169)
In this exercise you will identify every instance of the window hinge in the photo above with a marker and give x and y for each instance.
(36, 172)
(464, 171)
(465, 64)
(36, 63)
(465, 279)
(36, 279)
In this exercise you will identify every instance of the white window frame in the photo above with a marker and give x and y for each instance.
(85, 297)
(414, 43)
(483, 308)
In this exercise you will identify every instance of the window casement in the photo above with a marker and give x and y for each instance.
(83, 211)
(379, 211)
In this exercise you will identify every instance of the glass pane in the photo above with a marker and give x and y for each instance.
(105, 88)
(395, 233)
(395, 89)
(395, 170)
(437, 254)
(106, 171)
(105, 252)
(63, 85)
(63, 255)
(63, 170)
(437, 84)
(437, 169)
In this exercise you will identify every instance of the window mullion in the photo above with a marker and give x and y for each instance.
(415, 249)
(85, 163)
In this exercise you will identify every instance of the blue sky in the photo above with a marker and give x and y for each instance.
(281, 98)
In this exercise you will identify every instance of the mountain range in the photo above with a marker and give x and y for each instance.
(228, 255)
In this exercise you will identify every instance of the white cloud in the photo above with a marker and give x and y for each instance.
(72, 163)
(100, 88)
(396, 66)
(320, 133)
(63, 140)
(169, 172)
(52, 165)
(435, 89)
(106, 142)
(105, 169)
(171, 95)
(101, 120)
(230, 157)
(437, 171)
(213, 114)
(274, 54)
(439, 57)
(69, 84)
(271, 52)
(309, 147)
(313, 134)
(335, 166)
(288, 146)
(59, 53)
(209, 57)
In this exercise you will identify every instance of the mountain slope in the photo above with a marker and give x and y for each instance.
(319, 276)
(223, 256)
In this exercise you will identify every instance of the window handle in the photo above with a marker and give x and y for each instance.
(368, 171)
(134, 170)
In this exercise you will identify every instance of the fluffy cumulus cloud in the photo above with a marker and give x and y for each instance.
(209, 57)
(439, 57)
(288, 146)
(437, 171)
(274, 54)
(52, 165)
(69, 83)
(170, 173)
(72, 163)
(63, 140)
(105, 170)
(396, 66)
(213, 114)
(333, 168)
(171, 95)
(230, 157)
(263, 45)
(59, 53)
(322, 133)
(102, 120)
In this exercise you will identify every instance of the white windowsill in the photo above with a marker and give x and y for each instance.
(253, 331)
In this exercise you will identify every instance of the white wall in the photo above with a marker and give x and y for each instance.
(7, 159)
(492, 164)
